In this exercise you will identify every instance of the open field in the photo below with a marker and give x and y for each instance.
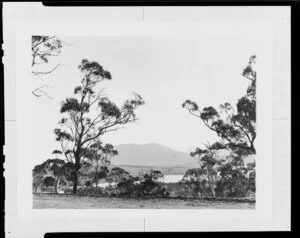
(58, 201)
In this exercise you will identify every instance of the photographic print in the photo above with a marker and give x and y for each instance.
(136, 123)
(147, 119)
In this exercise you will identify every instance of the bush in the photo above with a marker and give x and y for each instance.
(148, 187)
(129, 187)
(88, 183)
(126, 187)
(47, 189)
(251, 181)
(49, 181)
(232, 187)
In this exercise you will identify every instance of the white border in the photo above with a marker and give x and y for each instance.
(269, 215)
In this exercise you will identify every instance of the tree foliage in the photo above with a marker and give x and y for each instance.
(150, 184)
(208, 174)
(236, 127)
(117, 174)
(43, 47)
(89, 115)
(99, 157)
(54, 168)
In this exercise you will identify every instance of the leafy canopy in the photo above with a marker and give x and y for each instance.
(236, 127)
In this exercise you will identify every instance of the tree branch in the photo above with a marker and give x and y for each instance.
(48, 72)
(39, 89)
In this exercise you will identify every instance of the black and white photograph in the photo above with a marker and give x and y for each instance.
(148, 116)
(168, 145)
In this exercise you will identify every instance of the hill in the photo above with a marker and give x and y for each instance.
(151, 155)
(136, 158)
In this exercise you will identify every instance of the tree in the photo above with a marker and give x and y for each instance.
(49, 181)
(234, 180)
(150, 185)
(38, 176)
(209, 166)
(54, 168)
(42, 48)
(69, 172)
(153, 175)
(124, 182)
(197, 180)
(117, 174)
(89, 115)
(99, 157)
(127, 187)
(236, 128)
(251, 176)
(222, 176)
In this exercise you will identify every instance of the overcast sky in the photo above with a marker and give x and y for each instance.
(165, 71)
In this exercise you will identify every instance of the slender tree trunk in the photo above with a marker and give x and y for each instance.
(211, 185)
(56, 185)
(75, 182)
(212, 191)
(77, 167)
(96, 181)
(96, 186)
(252, 148)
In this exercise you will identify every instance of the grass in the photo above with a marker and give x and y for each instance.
(62, 201)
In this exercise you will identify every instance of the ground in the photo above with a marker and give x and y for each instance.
(42, 201)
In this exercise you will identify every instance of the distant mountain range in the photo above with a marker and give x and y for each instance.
(136, 158)
(151, 155)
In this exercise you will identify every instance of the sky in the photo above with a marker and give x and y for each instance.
(164, 70)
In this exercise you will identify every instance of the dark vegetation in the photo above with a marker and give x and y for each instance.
(83, 161)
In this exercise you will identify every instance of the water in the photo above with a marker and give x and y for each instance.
(171, 178)
(58, 201)
(165, 179)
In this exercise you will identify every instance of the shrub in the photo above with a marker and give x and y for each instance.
(126, 187)
(49, 181)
